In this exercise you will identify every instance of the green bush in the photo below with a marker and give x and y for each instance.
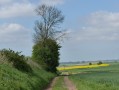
(47, 54)
(18, 60)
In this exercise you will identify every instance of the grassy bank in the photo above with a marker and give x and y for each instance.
(13, 79)
(20, 73)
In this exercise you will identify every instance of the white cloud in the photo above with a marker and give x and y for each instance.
(17, 9)
(104, 18)
(100, 26)
(16, 37)
(22, 8)
(52, 2)
(5, 1)
(14, 33)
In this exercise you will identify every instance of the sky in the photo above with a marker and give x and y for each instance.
(92, 27)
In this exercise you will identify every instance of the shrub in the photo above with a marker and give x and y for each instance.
(99, 63)
(90, 63)
(18, 60)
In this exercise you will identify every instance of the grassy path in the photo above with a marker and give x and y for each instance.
(61, 83)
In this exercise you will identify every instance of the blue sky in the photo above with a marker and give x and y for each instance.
(92, 27)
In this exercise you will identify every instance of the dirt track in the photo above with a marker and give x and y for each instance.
(68, 84)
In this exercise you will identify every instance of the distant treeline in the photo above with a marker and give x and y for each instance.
(81, 62)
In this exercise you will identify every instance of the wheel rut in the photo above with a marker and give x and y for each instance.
(70, 85)
(50, 86)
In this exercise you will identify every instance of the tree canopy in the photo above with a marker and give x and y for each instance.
(50, 19)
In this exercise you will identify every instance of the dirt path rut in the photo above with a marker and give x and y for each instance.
(52, 83)
(69, 84)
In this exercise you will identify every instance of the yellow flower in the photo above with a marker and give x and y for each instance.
(81, 66)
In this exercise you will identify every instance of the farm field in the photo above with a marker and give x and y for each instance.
(97, 78)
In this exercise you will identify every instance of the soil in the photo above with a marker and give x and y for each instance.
(69, 84)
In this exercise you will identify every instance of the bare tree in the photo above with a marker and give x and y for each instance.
(50, 19)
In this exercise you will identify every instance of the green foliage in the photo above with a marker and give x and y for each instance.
(47, 54)
(18, 61)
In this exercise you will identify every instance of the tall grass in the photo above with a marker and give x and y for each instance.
(13, 79)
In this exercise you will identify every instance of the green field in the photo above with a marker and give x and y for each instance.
(102, 78)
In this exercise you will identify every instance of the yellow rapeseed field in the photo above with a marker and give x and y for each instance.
(81, 66)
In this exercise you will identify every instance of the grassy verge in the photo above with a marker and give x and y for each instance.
(13, 79)
(59, 85)
(20, 73)
(106, 78)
